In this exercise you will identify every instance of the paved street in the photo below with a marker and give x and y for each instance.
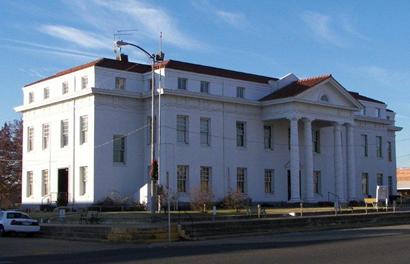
(367, 245)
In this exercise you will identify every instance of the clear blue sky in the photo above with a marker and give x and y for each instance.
(364, 44)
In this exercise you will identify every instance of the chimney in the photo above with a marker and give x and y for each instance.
(122, 57)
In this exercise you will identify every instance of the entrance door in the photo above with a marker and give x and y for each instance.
(62, 198)
(290, 185)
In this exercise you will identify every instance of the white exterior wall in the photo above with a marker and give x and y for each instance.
(126, 112)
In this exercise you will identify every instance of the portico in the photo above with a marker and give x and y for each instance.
(328, 107)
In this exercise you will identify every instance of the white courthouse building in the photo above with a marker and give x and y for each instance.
(86, 135)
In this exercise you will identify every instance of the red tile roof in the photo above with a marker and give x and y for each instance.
(172, 64)
(103, 62)
(202, 69)
(296, 88)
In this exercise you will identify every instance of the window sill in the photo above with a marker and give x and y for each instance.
(119, 164)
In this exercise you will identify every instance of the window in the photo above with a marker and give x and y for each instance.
(389, 151)
(64, 133)
(240, 134)
(205, 178)
(182, 129)
(119, 83)
(182, 83)
(30, 138)
(29, 191)
(380, 179)
(30, 97)
(205, 131)
(390, 184)
(363, 111)
(378, 112)
(84, 82)
(324, 98)
(150, 85)
(240, 92)
(149, 125)
(182, 178)
(289, 134)
(44, 180)
(119, 148)
(317, 182)
(45, 135)
(363, 139)
(46, 93)
(83, 129)
(316, 141)
(268, 137)
(64, 87)
(269, 186)
(365, 183)
(379, 149)
(204, 87)
(83, 180)
(241, 180)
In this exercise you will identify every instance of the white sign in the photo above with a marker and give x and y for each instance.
(382, 193)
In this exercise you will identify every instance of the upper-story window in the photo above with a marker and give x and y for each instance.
(240, 92)
(83, 129)
(324, 98)
(363, 139)
(30, 138)
(363, 111)
(182, 83)
(120, 83)
(316, 141)
(378, 112)
(389, 151)
(30, 97)
(64, 87)
(45, 135)
(268, 138)
(64, 133)
(204, 87)
(46, 93)
(379, 147)
(119, 148)
(84, 82)
(240, 134)
(205, 127)
(182, 129)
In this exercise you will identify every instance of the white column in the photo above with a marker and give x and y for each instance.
(338, 161)
(294, 160)
(351, 165)
(308, 172)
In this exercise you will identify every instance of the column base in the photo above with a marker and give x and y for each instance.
(310, 200)
(294, 200)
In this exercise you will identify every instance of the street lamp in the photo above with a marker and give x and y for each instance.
(154, 165)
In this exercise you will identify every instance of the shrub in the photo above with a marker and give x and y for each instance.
(201, 201)
(236, 200)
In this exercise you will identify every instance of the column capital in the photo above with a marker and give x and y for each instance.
(349, 124)
(337, 124)
(293, 117)
(308, 119)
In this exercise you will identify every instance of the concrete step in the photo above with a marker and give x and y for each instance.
(279, 225)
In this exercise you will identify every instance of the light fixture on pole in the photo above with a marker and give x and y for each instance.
(154, 165)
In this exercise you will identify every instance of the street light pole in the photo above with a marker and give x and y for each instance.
(154, 58)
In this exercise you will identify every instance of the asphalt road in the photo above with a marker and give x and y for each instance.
(368, 245)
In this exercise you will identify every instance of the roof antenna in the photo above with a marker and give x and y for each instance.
(117, 34)
(160, 56)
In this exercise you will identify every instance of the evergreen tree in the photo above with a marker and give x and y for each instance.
(11, 135)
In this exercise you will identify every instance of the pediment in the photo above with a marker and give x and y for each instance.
(329, 92)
